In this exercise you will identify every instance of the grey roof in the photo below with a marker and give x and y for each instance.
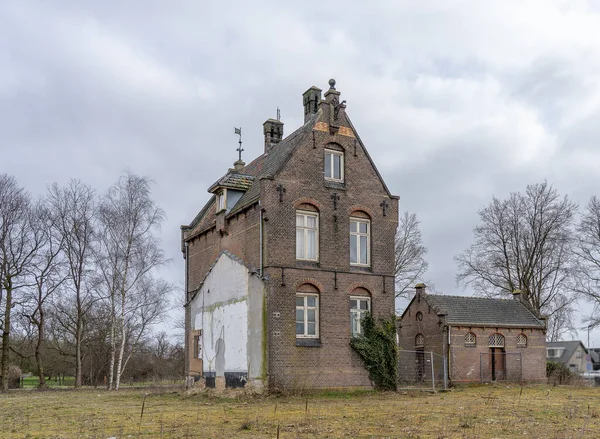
(483, 311)
(569, 346)
(265, 165)
(268, 165)
(233, 180)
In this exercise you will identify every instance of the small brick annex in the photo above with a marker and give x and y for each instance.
(259, 229)
(483, 339)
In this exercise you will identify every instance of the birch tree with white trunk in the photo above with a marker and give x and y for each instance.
(128, 255)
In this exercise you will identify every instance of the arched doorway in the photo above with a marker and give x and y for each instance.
(497, 357)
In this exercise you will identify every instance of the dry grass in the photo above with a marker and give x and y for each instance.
(469, 412)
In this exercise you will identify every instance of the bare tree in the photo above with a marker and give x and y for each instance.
(47, 273)
(19, 242)
(74, 209)
(525, 243)
(588, 255)
(128, 254)
(410, 254)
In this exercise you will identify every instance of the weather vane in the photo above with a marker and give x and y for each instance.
(240, 149)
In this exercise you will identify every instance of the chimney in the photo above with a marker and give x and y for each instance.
(518, 295)
(311, 100)
(420, 288)
(273, 130)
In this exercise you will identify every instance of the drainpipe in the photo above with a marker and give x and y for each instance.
(260, 238)
(187, 316)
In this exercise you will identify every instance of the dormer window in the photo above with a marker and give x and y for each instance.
(221, 200)
(334, 165)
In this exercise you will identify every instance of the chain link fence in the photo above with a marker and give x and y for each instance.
(422, 370)
(500, 366)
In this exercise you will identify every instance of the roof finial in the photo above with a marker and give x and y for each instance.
(240, 149)
(278, 114)
(332, 84)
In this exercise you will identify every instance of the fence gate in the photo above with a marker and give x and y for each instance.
(496, 365)
(422, 369)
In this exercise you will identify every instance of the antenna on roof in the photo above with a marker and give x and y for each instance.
(240, 149)
(278, 114)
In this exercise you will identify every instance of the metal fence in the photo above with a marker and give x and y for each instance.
(500, 366)
(422, 369)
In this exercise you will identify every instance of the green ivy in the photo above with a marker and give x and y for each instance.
(377, 347)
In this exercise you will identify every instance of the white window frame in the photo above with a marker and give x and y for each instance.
(221, 200)
(306, 308)
(358, 314)
(306, 214)
(358, 245)
(329, 154)
(558, 352)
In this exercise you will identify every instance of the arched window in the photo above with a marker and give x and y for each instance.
(470, 339)
(307, 233)
(521, 340)
(360, 305)
(419, 341)
(419, 316)
(307, 311)
(496, 341)
(360, 238)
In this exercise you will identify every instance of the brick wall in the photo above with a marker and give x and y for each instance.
(332, 363)
(465, 361)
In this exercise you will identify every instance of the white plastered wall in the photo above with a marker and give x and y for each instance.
(229, 310)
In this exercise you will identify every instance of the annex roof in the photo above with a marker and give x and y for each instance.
(463, 310)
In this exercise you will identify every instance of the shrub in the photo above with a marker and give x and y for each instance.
(377, 347)
(558, 373)
(14, 376)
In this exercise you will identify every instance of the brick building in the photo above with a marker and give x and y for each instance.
(287, 255)
(482, 339)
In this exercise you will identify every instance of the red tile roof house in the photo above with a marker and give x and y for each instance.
(482, 339)
(286, 257)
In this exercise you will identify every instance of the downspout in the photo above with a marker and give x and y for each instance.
(187, 315)
(260, 239)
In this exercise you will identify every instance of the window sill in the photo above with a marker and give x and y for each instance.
(308, 342)
(307, 264)
(335, 185)
(360, 268)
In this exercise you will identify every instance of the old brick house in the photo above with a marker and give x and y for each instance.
(482, 339)
(287, 255)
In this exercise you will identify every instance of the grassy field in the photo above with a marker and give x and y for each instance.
(469, 412)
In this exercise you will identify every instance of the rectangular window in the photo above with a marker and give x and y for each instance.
(554, 352)
(307, 236)
(360, 242)
(359, 306)
(334, 165)
(222, 200)
(307, 315)
(198, 346)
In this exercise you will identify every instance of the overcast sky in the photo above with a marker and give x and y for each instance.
(456, 101)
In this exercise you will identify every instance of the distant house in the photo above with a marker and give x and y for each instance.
(595, 357)
(572, 354)
(482, 339)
